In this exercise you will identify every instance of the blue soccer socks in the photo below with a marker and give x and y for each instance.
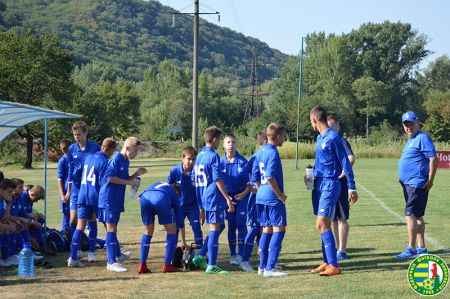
(213, 246)
(75, 244)
(145, 248)
(110, 247)
(330, 247)
(248, 243)
(92, 226)
(264, 246)
(171, 246)
(274, 249)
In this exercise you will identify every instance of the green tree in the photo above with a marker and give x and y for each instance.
(34, 70)
(111, 109)
(372, 94)
(437, 105)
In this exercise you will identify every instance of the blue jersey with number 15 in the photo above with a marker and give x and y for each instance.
(94, 176)
(207, 170)
(268, 165)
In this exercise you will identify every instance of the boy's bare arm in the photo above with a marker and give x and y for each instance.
(225, 194)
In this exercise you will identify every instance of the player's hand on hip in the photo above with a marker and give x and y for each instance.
(283, 198)
(352, 196)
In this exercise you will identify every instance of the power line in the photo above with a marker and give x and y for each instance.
(236, 16)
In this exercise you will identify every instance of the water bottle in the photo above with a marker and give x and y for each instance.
(134, 189)
(309, 178)
(26, 261)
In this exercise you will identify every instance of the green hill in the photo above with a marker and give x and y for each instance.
(129, 35)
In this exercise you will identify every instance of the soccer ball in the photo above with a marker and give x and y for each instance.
(428, 284)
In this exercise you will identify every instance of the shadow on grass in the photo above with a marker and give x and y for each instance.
(67, 280)
(380, 224)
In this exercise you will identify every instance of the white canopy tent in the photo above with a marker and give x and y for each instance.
(15, 115)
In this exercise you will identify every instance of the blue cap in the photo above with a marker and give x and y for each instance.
(409, 116)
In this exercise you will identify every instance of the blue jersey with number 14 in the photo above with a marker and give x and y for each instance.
(268, 165)
(94, 176)
(207, 170)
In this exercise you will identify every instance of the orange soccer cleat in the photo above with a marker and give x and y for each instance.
(143, 269)
(320, 269)
(170, 268)
(330, 271)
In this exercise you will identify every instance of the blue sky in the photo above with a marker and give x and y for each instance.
(282, 23)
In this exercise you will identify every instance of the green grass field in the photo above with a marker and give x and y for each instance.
(377, 233)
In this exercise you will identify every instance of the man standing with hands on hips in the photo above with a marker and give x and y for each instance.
(416, 169)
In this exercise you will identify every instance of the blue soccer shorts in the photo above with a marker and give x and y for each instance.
(155, 203)
(324, 196)
(272, 215)
(86, 212)
(73, 197)
(416, 200)
(215, 217)
(109, 216)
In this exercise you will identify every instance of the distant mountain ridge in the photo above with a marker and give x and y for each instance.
(129, 35)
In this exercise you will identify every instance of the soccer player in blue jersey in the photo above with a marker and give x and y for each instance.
(161, 199)
(180, 175)
(416, 168)
(270, 200)
(76, 154)
(235, 178)
(62, 173)
(213, 198)
(112, 200)
(9, 258)
(331, 160)
(252, 212)
(94, 176)
(342, 210)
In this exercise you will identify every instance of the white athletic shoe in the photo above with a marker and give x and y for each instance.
(79, 254)
(125, 255)
(233, 260)
(13, 260)
(246, 267)
(116, 267)
(74, 263)
(91, 257)
(260, 271)
(274, 273)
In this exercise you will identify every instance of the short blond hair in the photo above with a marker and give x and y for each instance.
(274, 130)
(132, 141)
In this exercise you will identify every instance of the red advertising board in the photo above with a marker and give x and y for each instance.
(444, 159)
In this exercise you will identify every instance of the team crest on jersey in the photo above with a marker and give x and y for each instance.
(324, 144)
(428, 275)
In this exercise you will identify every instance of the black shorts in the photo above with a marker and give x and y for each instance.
(342, 210)
(416, 200)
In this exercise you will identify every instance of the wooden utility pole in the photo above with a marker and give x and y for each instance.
(195, 102)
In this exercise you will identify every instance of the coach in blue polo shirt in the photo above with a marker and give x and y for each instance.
(416, 169)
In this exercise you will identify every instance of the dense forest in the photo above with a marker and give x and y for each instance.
(123, 67)
(129, 35)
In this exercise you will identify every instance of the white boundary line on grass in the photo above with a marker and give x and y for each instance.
(399, 217)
